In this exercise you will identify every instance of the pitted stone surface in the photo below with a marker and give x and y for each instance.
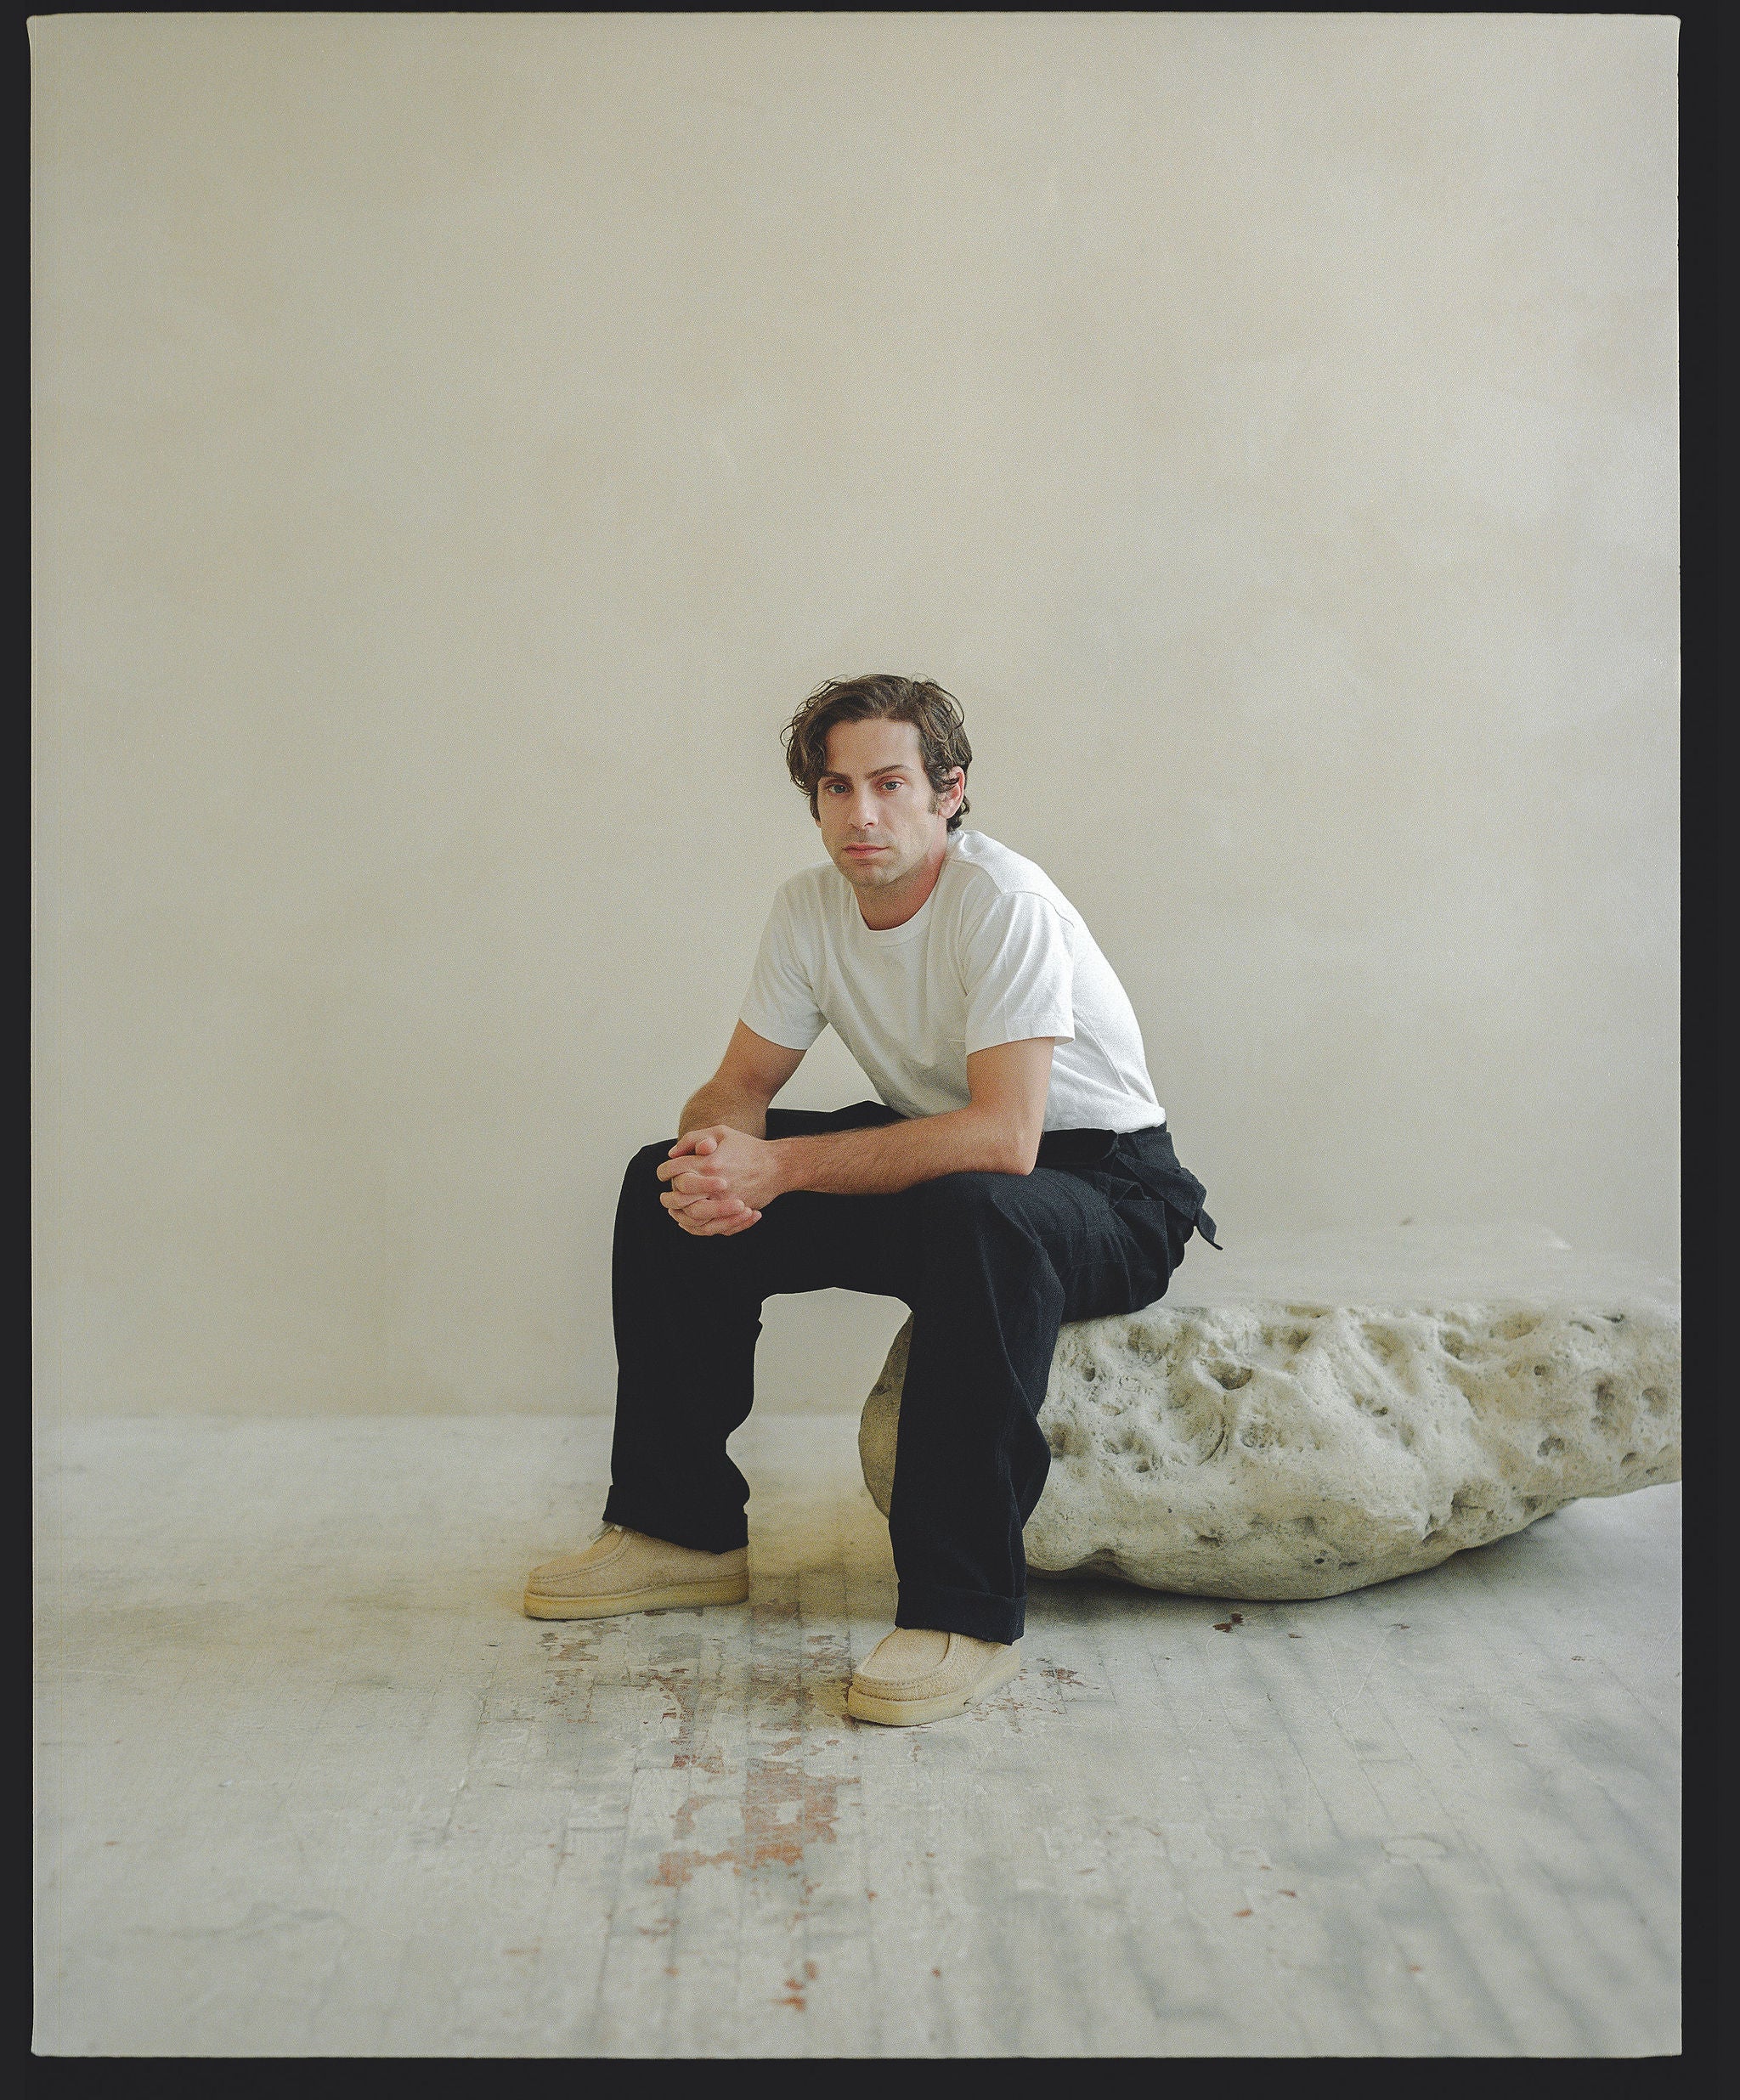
(1302, 1449)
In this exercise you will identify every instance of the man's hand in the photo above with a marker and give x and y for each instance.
(720, 1179)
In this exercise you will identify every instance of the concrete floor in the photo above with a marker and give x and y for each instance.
(310, 1785)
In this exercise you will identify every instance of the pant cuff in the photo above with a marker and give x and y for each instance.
(702, 1536)
(973, 1611)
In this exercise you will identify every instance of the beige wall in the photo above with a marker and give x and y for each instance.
(462, 440)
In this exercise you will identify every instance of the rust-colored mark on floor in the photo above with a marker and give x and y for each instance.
(786, 1810)
(570, 1691)
(1007, 1702)
(711, 1760)
(681, 1688)
(682, 1824)
(795, 1987)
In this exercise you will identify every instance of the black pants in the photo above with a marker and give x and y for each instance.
(990, 1264)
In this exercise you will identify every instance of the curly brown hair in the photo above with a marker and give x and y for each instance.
(935, 713)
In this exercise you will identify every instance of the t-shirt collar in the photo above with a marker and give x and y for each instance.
(890, 936)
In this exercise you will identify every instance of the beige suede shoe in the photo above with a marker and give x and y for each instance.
(911, 1676)
(625, 1571)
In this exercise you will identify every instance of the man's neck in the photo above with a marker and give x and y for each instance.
(883, 910)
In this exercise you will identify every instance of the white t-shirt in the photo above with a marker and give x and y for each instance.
(996, 953)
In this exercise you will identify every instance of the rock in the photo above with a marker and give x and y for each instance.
(1302, 1449)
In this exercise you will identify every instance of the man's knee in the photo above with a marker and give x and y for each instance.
(642, 1174)
(956, 1196)
(959, 1214)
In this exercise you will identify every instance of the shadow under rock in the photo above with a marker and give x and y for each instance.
(1516, 1556)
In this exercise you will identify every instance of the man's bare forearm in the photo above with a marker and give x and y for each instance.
(718, 1103)
(894, 1156)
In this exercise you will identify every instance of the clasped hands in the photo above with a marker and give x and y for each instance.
(721, 1180)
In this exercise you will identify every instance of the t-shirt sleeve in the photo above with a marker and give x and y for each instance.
(1017, 968)
(780, 1003)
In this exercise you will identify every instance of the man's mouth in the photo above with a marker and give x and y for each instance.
(866, 849)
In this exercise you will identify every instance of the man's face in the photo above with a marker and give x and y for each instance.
(880, 819)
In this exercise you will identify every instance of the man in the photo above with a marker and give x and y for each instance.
(1016, 1173)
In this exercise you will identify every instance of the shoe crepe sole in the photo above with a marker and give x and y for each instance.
(864, 1706)
(722, 1589)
